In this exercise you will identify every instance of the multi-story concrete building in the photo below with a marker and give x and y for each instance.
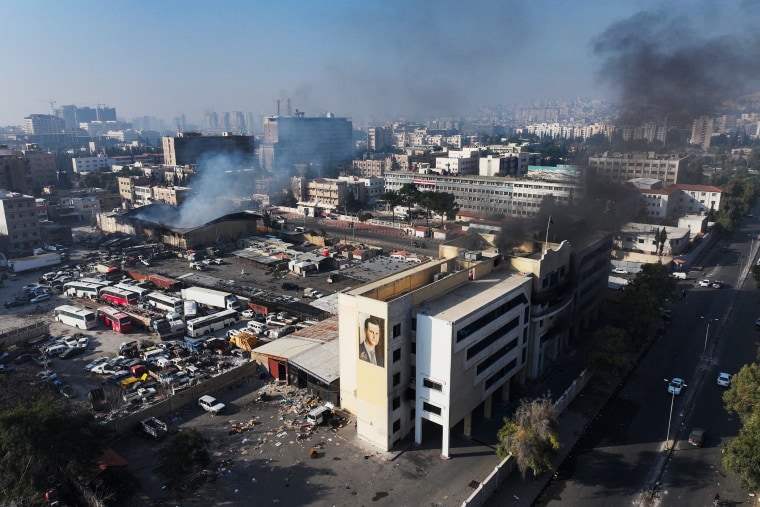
(373, 167)
(492, 195)
(127, 186)
(14, 170)
(42, 169)
(702, 131)
(189, 148)
(619, 168)
(43, 125)
(459, 162)
(88, 207)
(84, 165)
(294, 140)
(19, 226)
(437, 342)
(170, 194)
(379, 138)
(643, 239)
(329, 193)
(679, 200)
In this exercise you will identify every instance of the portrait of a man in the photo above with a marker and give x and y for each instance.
(371, 340)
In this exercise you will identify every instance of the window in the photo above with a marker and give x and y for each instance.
(397, 330)
(397, 355)
(432, 384)
(396, 402)
(431, 408)
(396, 425)
(396, 379)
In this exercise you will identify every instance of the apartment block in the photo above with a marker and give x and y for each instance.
(619, 168)
(19, 225)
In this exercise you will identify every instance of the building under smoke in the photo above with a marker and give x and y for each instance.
(191, 147)
(291, 140)
(157, 223)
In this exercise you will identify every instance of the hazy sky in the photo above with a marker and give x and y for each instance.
(355, 58)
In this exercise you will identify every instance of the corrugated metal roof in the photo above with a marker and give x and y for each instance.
(321, 361)
(323, 331)
(286, 347)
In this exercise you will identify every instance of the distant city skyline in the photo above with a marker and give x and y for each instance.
(368, 61)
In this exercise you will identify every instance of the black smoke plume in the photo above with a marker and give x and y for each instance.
(667, 65)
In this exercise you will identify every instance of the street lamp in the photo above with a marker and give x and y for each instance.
(707, 333)
(670, 417)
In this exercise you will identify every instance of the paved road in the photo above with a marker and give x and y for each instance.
(624, 450)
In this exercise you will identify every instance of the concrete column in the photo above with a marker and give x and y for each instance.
(445, 433)
(487, 407)
(505, 391)
(417, 428)
(468, 425)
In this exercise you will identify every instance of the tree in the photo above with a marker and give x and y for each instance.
(607, 352)
(641, 298)
(47, 443)
(741, 456)
(531, 436)
(743, 397)
(364, 216)
(662, 237)
(182, 456)
(409, 196)
(391, 199)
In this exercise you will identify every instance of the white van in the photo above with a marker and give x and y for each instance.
(320, 414)
(55, 349)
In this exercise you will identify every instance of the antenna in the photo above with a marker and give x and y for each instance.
(277, 101)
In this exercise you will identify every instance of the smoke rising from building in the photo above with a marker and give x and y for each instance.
(213, 187)
(680, 66)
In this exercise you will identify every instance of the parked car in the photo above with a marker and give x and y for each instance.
(69, 341)
(15, 303)
(704, 283)
(620, 271)
(210, 404)
(248, 314)
(92, 364)
(71, 352)
(289, 286)
(717, 284)
(724, 379)
(40, 298)
(83, 342)
(676, 385)
(47, 375)
(697, 437)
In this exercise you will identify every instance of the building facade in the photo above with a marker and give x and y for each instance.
(19, 224)
(189, 148)
(617, 169)
(679, 200)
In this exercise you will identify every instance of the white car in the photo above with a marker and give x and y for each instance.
(724, 379)
(676, 385)
(47, 375)
(705, 283)
(248, 314)
(620, 271)
(69, 341)
(210, 404)
(83, 342)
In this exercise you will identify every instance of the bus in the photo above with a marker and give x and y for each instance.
(164, 302)
(81, 290)
(116, 320)
(97, 281)
(117, 297)
(77, 317)
(140, 291)
(205, 325)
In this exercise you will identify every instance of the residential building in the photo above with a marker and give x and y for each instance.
(701, 132)
(459, 162)
(379, 138)
(373, 167)
(645, 239)
(678, 200)
(84, 165)
(319, 141)
(43, 125)
(188, 148)
(170, 194)
(19, 226)
(619, 168)
(88, 207)
(327, 193)
(14, 170)
(127, 186)
(42, 169)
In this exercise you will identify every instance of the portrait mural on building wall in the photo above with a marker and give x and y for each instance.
(372, 339)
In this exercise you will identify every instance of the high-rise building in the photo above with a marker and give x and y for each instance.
(292, 140)
(188, 148)
(702, 131)
(379, 138)
(43, 124)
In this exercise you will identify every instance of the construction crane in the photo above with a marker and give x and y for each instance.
(51, 102)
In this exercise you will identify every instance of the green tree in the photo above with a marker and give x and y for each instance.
(391, 200)
(183, 455)
(743, 397)
(46, 443)
(662, 237)
(741, 456)
(445, 205)
(410, 195)
(364, 216)
(641, 299)
(607, 352)
(531, 436)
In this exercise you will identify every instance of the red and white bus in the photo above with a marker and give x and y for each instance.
(117, 297)
(116, 320)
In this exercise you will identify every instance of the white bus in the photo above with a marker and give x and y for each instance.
(77, 317)
(97, 281)
(164, 302)
(140, 291)
(81, 290)
(205, 325)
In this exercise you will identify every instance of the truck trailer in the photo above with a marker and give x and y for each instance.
(23, 264)
(211, 297)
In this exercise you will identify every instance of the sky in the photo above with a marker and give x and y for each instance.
(367, 60)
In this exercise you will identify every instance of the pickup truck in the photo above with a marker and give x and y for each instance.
(154, 427)
(210, 404)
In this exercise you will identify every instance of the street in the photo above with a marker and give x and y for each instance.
(624, 451)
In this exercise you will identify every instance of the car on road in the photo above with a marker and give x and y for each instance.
(210, 404)
(697, 437)
(40, 298)
(717, 284)
(248, 314)
(704, 283)
(724, 379)
(676, 385)
(620, 271)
